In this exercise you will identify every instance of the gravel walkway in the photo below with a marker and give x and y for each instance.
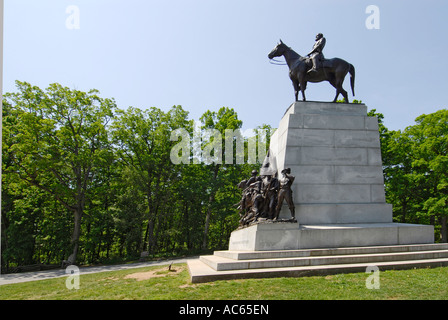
(57, 273)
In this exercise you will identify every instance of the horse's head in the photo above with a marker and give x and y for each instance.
(278, 51)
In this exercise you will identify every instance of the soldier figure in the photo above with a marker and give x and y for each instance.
(316, 54)
(251, 201)
(253, 178)
(285, 193)
(263, 197)
(270, 188)
(245, 185)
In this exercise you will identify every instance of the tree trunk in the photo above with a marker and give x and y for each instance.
(209, 210)
(186, 223)
(4, 224)
(150, 230)
(207, 224)
(149, 234)
(444, 229)
(75, 236)
(404, 210)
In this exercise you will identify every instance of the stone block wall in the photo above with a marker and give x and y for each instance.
(334, 151)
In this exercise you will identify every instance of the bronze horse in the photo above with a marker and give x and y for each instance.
(332, 70)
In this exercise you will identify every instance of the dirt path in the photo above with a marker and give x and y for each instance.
(42, 275)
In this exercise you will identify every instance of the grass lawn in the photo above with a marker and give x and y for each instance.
(157, 283)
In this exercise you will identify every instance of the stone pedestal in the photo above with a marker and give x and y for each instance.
(291, 236)
(333, 150)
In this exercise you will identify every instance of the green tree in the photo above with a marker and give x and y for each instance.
(128, 214)
(142, 140)
(429, 143)
(415, 168)
(61, 140)
(216, 122)
(74, 164)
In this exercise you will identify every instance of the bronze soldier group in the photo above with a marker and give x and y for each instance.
(263, 196)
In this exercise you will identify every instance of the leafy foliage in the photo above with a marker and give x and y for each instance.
(416, 171)
(85, 179)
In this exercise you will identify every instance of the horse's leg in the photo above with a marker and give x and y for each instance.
(303, 88)
(337, 94)
(337, 83)
(333, 83)
(341, 89)
(344, 93)
(296, 90)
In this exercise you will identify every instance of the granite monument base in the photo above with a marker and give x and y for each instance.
(292, 236)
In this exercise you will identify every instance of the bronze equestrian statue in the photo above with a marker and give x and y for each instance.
(315, 68)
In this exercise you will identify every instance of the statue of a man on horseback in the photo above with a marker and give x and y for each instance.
(316, 55)
(331, 70)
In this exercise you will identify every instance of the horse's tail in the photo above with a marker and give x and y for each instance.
(352, 77)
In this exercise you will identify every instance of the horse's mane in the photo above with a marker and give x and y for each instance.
(295, 54)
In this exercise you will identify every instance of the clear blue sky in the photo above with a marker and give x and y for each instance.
(205, 54)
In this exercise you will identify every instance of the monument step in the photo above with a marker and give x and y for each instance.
(249, 255)
(220, 263)
(200, 272)
(297, 263)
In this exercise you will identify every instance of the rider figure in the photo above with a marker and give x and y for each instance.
(316, 54)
